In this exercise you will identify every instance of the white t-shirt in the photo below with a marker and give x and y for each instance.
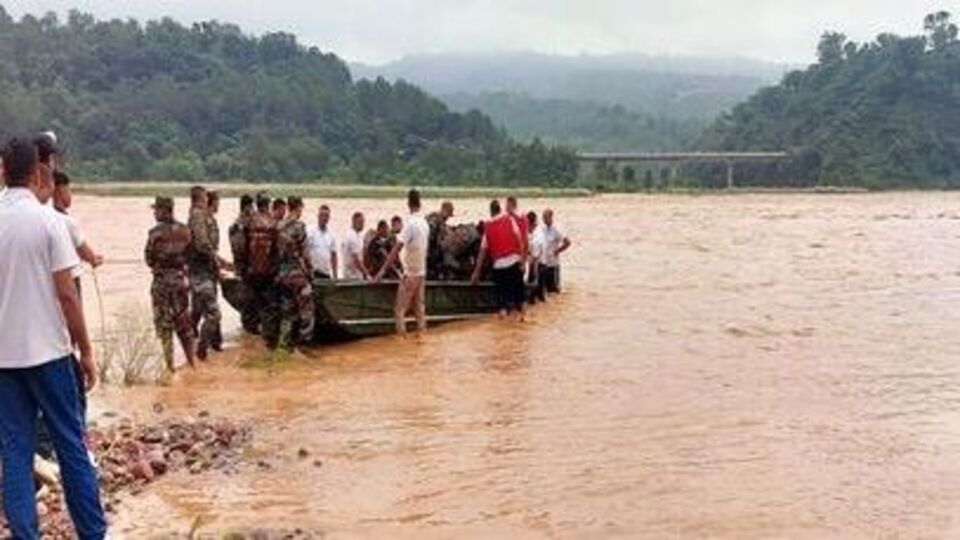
(321, 245)
(34, 244)
(76, 236)
(352, 245)
(415, 237)
(535, 240)
(551, 240)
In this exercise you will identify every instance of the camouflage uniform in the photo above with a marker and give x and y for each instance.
(203, 279)
(436, 265)
(293, 282)
(249, 317)
(261, 250)
(166, 255)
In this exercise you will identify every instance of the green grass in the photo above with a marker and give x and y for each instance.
(321, 191)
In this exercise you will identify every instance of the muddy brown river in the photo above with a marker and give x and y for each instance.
(751, 366)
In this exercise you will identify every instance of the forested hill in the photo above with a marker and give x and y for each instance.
(879, 115)
(165, 101)
(584, 125)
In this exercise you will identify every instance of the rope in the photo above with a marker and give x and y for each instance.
(103, 317)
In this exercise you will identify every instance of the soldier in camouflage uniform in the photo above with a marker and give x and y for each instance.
(166, 255)
(293, 278)
(204, 272)
(437, 221)
(213, 229)
(249, 317)
(262, 269)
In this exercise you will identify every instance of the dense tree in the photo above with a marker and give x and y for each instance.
(877, 115)
(165, 101)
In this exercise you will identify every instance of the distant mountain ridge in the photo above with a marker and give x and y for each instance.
(588, 102)
(677, 86)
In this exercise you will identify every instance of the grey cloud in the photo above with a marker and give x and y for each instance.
(379, 30)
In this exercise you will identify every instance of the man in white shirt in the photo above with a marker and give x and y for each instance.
(534, 255)
(322, 246)
(553, 243)
(62, 201)
(40, 321)
(411, 293)
(352, 249)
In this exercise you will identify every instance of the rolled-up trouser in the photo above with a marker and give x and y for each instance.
(411, 295)
(50, 388)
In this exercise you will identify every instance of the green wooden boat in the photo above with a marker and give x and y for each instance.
(348, 310)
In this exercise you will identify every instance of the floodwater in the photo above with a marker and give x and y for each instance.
(751, 366)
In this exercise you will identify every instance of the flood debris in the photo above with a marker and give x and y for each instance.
(131, 456)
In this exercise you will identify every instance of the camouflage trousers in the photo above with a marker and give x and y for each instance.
(296, 312)
(265, 296)
(249, 314)
(171, 312)
(205, 311)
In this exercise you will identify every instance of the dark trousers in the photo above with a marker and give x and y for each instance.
(50, 388)
(510, 289)
(550, 278)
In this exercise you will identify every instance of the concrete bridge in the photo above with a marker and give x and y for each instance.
(676, 159)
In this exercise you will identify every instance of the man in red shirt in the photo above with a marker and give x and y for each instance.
(505, 245)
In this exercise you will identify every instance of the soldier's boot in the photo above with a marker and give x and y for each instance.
(166, 344)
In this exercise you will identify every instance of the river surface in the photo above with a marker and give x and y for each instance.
(750, 366)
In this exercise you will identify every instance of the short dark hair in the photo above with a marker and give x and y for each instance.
(356, 215)
(511, 200)
(396, 218)
(46, 148)
(60, 179)
(263, 202)
(382, 224)
(495, 208)
(531, 217)
(294, 202)
(413, 198)
(278, 202)
(246, 201)
(196, 192)
(19, 162)
(212, 197)
(324, 208)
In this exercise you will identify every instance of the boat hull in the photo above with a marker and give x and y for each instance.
(347, 310)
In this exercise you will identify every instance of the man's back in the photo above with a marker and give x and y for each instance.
(415, 237)
(35, 244)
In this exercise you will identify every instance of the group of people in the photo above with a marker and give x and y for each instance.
(46, 359)
(278, 257)
(522, 256)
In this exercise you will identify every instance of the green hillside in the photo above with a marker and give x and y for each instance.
(884, 114)
(164, 101)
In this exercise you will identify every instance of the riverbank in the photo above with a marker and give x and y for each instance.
(323, 191)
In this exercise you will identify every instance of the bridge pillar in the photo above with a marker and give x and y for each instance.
(729, 174)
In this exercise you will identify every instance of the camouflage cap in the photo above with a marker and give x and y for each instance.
(163, 202)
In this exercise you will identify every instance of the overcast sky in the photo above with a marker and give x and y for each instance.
(382, 30)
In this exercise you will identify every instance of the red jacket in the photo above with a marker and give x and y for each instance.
(503, 237)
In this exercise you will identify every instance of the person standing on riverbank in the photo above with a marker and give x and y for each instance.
(204, 269)
(553, 243)
(237, 234)
(262, 268)
(296, 294)
(166, 253)
(322, 246)
(411, 293)
(40, 322)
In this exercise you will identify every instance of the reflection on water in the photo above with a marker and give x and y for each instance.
(749, 366)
